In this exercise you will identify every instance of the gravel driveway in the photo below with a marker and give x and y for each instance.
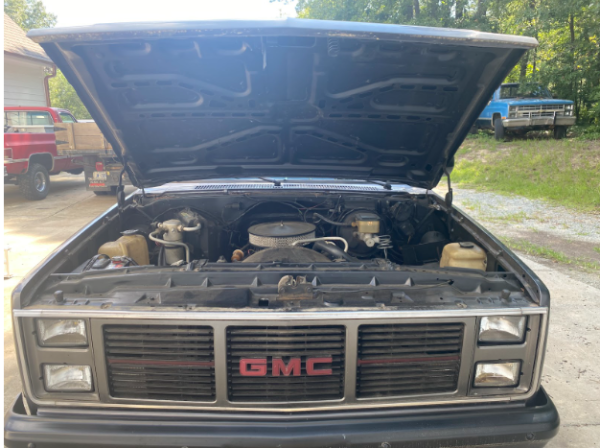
(533, 221)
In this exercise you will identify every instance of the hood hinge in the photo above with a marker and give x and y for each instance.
(121, 193)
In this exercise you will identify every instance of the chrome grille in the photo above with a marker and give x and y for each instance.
(408, 359)
(540, 110)
(160, 362)
(287, 352)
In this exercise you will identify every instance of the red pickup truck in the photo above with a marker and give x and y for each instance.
(30, 154)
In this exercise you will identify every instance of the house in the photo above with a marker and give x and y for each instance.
(26, 68)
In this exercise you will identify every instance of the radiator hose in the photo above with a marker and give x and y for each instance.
(333, 250)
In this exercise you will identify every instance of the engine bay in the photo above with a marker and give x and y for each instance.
(403, 230)
(259, 250)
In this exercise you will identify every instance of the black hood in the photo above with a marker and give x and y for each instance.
(297, 98)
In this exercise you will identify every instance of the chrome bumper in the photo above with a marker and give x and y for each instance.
(526, 122)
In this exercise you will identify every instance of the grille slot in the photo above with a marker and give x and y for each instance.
(408, 359)
(160, 362)
(287, 344)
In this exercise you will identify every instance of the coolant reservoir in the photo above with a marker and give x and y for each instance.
(129, 245)
(463, 255)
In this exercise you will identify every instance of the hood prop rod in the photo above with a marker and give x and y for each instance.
(450, 194)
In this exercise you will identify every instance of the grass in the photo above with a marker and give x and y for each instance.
(561, 171)
(597, 249)
(550, 254)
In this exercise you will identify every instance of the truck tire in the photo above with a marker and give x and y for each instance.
(498, 129)
(35, 183)
(560, 132)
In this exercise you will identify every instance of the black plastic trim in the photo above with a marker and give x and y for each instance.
(532, 425)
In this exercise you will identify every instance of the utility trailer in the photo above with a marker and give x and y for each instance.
(101, 165)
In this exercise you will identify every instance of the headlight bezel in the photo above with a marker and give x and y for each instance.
(39, 328)
(490, 324)
(50, 369)
(515, 369)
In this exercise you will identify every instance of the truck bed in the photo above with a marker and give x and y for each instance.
(81, 139)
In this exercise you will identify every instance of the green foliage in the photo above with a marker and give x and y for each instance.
(29, 14)
(62, 94)
(567, 60)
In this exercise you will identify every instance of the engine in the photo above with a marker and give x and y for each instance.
(405, 231)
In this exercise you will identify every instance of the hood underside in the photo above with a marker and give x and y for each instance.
(298, 98)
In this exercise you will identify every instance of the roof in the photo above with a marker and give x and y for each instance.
(16, 42)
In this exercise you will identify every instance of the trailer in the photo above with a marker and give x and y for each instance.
(101, 165)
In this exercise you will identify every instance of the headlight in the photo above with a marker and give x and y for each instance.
(61, 333)
(502, 329)
(512, 108)
(569, 107)
(64, 378)
(497, 374)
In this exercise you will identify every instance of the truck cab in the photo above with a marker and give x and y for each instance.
(519, 108)
(30, 153)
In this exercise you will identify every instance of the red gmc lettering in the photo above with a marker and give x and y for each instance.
(310, 366)
(258, 367)
(253, 367)
(293, 367)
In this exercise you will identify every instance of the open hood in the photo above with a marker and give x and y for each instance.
(298, 98)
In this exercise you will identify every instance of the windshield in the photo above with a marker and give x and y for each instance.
(28, 121)
(524, 91)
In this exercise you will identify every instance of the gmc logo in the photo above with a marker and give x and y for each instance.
(258, 366)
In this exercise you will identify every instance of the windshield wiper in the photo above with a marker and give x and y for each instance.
(386, 185)
(275, 182)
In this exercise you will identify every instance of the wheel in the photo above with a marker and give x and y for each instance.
(560, 132)
(35, 183)
(498, 129)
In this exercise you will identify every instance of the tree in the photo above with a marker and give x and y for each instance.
(29, 14)
(63, 95)
(567, 60)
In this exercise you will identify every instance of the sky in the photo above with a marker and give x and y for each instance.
(85, 12)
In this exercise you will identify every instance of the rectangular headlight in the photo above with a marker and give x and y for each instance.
(497, 374)
(61, 333)
(569, 107)
(65, 378)
(502, 329)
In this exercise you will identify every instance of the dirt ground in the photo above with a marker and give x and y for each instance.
(572, 369)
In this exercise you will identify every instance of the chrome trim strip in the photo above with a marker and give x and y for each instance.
(276, 315)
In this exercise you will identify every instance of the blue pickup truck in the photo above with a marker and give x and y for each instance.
(519, 109)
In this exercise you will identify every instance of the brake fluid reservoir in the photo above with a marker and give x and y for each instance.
(129, 245)
(463, 255)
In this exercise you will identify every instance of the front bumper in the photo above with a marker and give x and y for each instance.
(468, 426)
(526, 122)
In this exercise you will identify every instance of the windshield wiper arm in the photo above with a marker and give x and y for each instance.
(275, 182)
(386, 185)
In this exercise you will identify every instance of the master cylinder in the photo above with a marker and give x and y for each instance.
(172, 240)
(172, 234)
